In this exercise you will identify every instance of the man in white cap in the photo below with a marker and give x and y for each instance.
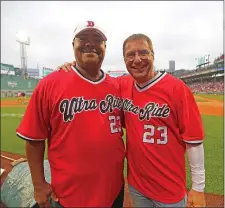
(75, 113)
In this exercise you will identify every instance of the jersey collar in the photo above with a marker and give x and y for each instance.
(151, 82)
(102, 78)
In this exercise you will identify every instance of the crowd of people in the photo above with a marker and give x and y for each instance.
(209, 86)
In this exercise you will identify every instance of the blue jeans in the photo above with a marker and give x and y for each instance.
(53, 204)
(139, 200)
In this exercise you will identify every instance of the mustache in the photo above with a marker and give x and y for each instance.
(90, 50)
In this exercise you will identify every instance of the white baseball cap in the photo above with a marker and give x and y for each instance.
(89, 25)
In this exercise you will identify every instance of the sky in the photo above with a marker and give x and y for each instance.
(180, 30)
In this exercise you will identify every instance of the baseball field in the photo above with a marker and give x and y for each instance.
(211, 108)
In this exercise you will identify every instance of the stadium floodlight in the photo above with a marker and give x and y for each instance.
(22, 38)
(24, 41)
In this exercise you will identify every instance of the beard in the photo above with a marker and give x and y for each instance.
(90, 58)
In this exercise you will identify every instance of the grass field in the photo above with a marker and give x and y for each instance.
(211, 96)
(213, 144)
(200, 100)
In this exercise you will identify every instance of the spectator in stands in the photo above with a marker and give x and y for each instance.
(207, 86)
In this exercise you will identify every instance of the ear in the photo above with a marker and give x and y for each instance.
(153, 55)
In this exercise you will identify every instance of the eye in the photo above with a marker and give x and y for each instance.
(98, 41)
(82, 39)
(131, 54)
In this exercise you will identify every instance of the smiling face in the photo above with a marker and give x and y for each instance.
(89, 49)
(139, 59)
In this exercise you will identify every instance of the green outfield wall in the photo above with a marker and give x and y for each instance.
(11, 85)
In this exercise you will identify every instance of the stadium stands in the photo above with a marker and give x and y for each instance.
(220, 58)
(207, 79)
(13, 81)
(207, 87)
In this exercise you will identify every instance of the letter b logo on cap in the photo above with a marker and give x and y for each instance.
(90, 24)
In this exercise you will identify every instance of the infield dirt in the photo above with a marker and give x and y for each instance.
(206, 107)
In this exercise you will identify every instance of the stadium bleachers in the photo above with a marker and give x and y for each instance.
(207, 79)
(207, 87)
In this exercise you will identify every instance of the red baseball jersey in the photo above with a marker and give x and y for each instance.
(85, 146)
(160, 118)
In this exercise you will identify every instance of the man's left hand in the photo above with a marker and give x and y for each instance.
(196, 199)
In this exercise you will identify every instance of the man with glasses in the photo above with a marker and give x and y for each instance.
(162, 121)
(74, 112)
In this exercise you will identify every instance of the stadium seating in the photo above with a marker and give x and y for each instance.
(207, 87)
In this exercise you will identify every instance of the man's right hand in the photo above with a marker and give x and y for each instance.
(42, 193)
(66, 66)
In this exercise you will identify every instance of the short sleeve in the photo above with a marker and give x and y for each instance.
(35, 122)
(189, 118)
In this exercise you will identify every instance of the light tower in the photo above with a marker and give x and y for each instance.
(24, 41)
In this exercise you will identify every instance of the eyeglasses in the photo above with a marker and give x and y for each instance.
(143, 54)
(86, 40)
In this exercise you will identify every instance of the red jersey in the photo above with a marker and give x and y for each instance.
(160, 118)
(85, 146)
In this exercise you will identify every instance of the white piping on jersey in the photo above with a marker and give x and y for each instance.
(151, 82)
(27, 138)
(92, 82)
(193, 142)
(143, 85)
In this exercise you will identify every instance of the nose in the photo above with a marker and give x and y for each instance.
(89, 44)
(137, 58)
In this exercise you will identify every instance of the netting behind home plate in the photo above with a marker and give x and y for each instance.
(17, 189)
